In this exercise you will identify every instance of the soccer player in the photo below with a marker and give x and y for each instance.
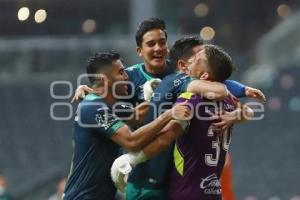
(199, 154)
(98, 133)
(152, 47)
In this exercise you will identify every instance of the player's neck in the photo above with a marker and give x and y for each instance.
(155, 70)
(109, 98)
(181, 71)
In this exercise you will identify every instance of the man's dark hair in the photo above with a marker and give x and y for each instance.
(220, 63)
(99, 62)
(147, 25)
(182, 49)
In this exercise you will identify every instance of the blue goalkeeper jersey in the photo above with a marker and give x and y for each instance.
(94, 151)
(138, 76)
(153, 174)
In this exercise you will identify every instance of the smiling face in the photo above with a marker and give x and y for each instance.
(154, 50)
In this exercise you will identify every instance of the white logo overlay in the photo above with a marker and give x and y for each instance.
(63, 110)
(211, 185)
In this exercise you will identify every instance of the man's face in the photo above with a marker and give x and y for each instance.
(154, 48)
(198, 64)
(118, 74)
(183, 66)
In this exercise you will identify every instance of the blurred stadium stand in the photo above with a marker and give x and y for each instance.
(35, 150)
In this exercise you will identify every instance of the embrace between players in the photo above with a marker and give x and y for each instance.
(176, 137)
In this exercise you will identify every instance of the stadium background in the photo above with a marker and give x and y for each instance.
(37, 49)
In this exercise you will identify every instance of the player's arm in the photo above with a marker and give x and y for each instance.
(122, 166)
(133, 141)
(207, 89)
(255, 94)
(167, 136)
(80, 92)
(240, 90)
(139, 114)
(218, 91)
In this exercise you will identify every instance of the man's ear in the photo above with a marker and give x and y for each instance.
(205, 76)
(102, 80)
(139, 51)
(182, 65)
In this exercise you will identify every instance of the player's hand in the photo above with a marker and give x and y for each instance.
(81, 92)
(255, 93)
(226, 120)
(182, 111)
(149, 88)
(119, 172)
(123, 165)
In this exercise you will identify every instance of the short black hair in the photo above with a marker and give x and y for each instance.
(99, 61)
(220, 63)
(147, 25)
(182, 48)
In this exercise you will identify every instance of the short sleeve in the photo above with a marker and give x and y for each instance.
(98, 116)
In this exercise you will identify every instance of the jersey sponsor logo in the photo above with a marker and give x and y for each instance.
(105, 119)
(211, 185)
(177, 82)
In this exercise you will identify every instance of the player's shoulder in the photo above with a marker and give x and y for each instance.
(89, 108)
(175, 76)
(187, 95)
(170, 77)
(91, 103)
(134, 68)
(92, 98)
(136, 73)
(177, 81)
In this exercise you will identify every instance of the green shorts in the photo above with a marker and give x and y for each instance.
(134, 192)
